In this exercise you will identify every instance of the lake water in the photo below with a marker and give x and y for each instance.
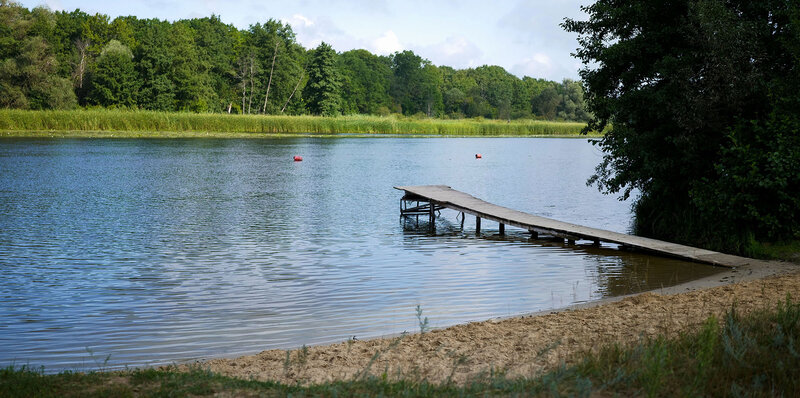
(136, 252)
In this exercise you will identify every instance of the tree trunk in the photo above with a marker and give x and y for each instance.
(272, 68)
(293, 91)
(241, 72)
(80, 71)
(250, 101)
(244, 93)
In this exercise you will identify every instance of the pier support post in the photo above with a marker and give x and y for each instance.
(462, 220)
(502, 229)
(534, 234)
(432, 213)
(570, 241)
(477, 225)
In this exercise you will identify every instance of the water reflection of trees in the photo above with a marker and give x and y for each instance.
(620, 272)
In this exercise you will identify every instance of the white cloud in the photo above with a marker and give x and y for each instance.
(54, 5)
(530, 23)
(456, 51)
(538, 65)
(298, 20)
(311, 32)
(530, 26)
(386, 44)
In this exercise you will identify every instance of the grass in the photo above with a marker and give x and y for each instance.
(786, 251)
(123, 123)
(757, 354)
(753, 355)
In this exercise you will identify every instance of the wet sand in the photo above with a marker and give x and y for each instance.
(524, 346)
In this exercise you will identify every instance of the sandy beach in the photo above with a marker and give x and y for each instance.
(524, 346)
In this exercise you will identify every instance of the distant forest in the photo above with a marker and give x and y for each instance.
(61, 60)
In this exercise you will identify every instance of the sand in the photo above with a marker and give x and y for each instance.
(524, 346)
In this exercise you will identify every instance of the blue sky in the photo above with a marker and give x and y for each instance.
(521, 36)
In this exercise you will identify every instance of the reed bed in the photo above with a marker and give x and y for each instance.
(134, 123)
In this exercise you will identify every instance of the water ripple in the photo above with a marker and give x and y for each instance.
(137, 252)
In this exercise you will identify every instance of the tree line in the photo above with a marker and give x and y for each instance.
(60, 60)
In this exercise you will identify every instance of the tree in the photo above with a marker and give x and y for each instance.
(366, 79)
(278, 63)
(454, 102)
(416, 84)
(187, 70)
(157, 90)
(429, 95)
(458, 90)
(696, 91)
(405, 67)
(29, 80)
(546, 103)
(29, 69)
(114, 80)
(81, 65)
(571, 105)
(496, 88)
(322, 92)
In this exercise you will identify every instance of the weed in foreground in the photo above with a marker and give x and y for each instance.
(423, 322)
(756, 354)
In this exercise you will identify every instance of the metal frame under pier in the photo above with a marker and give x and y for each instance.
(422, 207)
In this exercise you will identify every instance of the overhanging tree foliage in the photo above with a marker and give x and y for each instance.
(703, 97)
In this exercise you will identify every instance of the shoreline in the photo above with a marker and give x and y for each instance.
(523, 345)
(109, 134)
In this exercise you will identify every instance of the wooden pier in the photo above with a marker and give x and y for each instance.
(430, 199)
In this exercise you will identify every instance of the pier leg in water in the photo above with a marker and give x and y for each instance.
(432, 216)
(477, 225)
(462, 220)
(534, 234)
(502, 229)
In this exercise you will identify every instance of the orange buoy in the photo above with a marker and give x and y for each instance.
(298, 158)
(478, 156)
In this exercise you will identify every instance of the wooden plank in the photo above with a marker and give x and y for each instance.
(460, 201)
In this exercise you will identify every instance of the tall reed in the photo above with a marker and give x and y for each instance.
(133, 123)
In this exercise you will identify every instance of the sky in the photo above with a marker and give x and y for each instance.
(522, 36)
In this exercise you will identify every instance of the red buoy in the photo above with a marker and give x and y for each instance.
(478, 156)
(298, 158)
